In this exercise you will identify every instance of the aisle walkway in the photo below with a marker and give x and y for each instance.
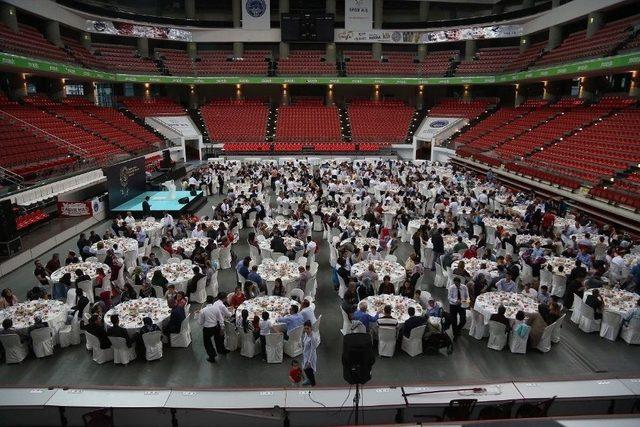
(578, 355)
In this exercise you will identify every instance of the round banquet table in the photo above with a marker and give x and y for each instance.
(89, 268)
(176, 273)
(399, 306)
(556, 261)
(415, 224)
(631, 260)
(189, 244)
(488, 303)
(450, 240)
(358, 225)
(615, 300)
(595, 238)
(212, 223)
(277, 307)
(289, 242)
(270, 270)
(51, 311)
(283, 223)
(529, 239)
(382, 268)
(472, 265)
(132, 312)
(362, 241)
(125, 244)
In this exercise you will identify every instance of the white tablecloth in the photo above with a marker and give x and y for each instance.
(51, 311)
(382, 268)
(362, 241)
(124, 244)
(616, 300)
(89, 268)
(556, 261)
(277, 307)
(472, 265)
(212, 223)
(399, 306)
(289, 242)
(488, 303)
(358, 225)
(132, 312)
(189, 244)
(283, 223)
(270, 270)
(177, 274)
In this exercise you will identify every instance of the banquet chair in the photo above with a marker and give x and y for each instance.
(316, 329)
(215, 256)
(518, 344)
(317, 223)
(212, 286)
(101, 257)
(610, 325)
(555, 337)
(254, 253)
(546, 277)
(274, 347)
(346, 323)
(91, 259)
(87, 289)
(545, 341)
(15, 351)
(300, 254)
(122, 354)
(200, 294)
(588, 322)
(391, 258)
(526, 275)
(71, 297)
(631, 333)
(240, 220)
(230, 336)
(480, 252)
(427, 256)
(297, 293)
(558, 285)
(478, 329)
(225, 257)
(576, 309)
(387, 338)
(413, 345)
(508, 249)
(153, 345)
(302, 261)
(186, 262)
(249, 346)
(342, 288)
(477, 230)
(280, 257)
(333, 255)
(119, 282)
(497, 335)
(173, 260)
(99, 355)
(130, 258)
(159, 291)
(293, 345)
(440, 280)
(183, 338)
(70, 334)
(251, 219)
(163, 255)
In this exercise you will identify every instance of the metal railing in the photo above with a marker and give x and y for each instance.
(11, 177)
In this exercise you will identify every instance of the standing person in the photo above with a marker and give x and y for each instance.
(309, 355)
(265, 328)
(146, 208)
(438, 247)
(208, 319)
(458, 294)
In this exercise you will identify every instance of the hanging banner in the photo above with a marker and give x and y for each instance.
(358, 15)
(131, 30)
(439, 128)
(74, 208)
(426, 37)
(256, 15)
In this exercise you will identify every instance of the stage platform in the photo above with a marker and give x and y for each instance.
(160, 202)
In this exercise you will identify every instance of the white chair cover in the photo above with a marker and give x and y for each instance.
(249, 347)
(274, 347)
(42, 342)
(317, 223)
(555, 337)
(387, 337)
(298, 293)
(254, 253)
(478, 329)
(546, 277)
(391, 258)
(631, 333)
(212, 286)
(346, 323)
(70, 334)
(14, 350)
(282, 259)
(91, 259)
(558, 285)
(183, 338)
(130, 259)
(153, 345)
(316, 329)
(413, 345)
(230, 336)
(576, 309)
(173, 260)
(87, 289)
(545, 342)
(440, 280)
(225, 257)
(518, 344)
(121, 353)
(611, 324)
(587, 321)
(293, 346)
(71, 297)
(342, 288)
(497, 335)
(99, 355)
(200, 294)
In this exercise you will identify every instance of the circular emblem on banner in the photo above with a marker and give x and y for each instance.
(439, 124)
(256, 8)
(99, 26)
(396, 36)
(96, 205)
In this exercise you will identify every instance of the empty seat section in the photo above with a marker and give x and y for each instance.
(308, 122)
(223, 63)
(379, 122)
(29, 42)
(361, 63)
(303, 62)
(124, 59)
(488, 61)
(525, 59)
(437, 63)
(177, 62)
(239, 124)
(150, 107)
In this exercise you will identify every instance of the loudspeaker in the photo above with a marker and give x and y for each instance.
(183, 200)
(357, 358)
(7, 219)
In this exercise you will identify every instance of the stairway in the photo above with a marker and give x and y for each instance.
(196, 117)
(272, 123)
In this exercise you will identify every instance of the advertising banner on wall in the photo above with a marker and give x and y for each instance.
(132, 30)
(358, 15)
(426, 37)
(74, 209)
(256, 15)
(125, 181)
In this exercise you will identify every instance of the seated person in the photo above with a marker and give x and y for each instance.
(118, 331)
(501, 318)
(387, 319)
(96, 328)
(413, 322)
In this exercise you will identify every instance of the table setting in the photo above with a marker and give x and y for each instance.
(189, 244)
(212, 223)
(283, 224)
(361, 242)
(289, 242)
(124, 244)
(88, 267)
(450, 240)
(616, 300)
(132, 312)
(394, 270)
(488, 303)
(556, 261)
(270, 270)
(473, 265)
(276, 306)
(399, 306)
(530, 239)
(23, 314)
(358, 225)
(176, 273)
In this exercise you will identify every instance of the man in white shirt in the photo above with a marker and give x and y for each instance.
(208, 318)
(307, 312)
(129, 219)
(458, 295)
(198, 232)
(483, 198)
(167, 220)
(193, 182)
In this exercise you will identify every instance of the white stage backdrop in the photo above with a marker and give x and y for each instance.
(256, 15)
(358, 15)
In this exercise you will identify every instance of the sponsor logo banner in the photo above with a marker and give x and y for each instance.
(132, 30)
(74, 209)
(426, 37)
(256, 15)
(358, 15)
